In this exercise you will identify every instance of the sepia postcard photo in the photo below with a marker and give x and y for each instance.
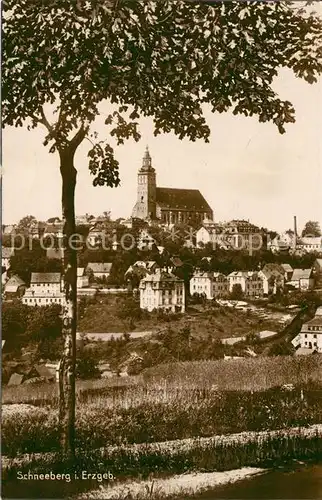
(161, 249)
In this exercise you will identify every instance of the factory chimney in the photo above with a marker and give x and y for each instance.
(295, 227)
(295, 232)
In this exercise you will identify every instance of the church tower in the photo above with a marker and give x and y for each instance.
(145, 207)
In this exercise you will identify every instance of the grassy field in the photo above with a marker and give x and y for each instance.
(250, 374)
(247, 374)
(102, 317)
(165, 422)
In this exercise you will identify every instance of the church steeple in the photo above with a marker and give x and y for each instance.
(147, 161)
(145, 207)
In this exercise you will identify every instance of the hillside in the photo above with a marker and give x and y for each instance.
(105, 316)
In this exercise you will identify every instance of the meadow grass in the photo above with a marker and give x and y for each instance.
(138, 416)
(247, 374)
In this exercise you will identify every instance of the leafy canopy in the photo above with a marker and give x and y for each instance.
(156, 58)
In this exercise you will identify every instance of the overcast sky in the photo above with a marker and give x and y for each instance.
(247, 171)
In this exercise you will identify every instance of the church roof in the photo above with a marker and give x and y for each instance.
(189, 199)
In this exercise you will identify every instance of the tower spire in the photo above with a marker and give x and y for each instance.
(147, 162)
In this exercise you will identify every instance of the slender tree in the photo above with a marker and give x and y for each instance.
(159, 58)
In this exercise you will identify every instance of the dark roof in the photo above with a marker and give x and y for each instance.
(188, 199)
(45, 278)
(316, 321)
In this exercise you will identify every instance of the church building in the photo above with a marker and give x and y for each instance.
(169, 205)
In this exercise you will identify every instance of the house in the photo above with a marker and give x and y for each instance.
(250, 281)
(14, 287)
(302, 279)
(309, 244)
(211, 284)
(273, 278)
(235, 234)
(288, 271)
(45, 289)
(162, 291)
(282, 243)
(99, 269)
(310, 336)
(82, 278)
(6, 254)
(53, 230)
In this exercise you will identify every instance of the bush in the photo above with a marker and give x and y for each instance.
(87, 366)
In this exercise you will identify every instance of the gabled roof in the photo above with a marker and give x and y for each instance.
(186, 199)
(16, 379)
(100, 267)
(316, 321)
(287, 268)
(318, 311)
(13, 284)
(301, 274)
(45, 278)
(319, 262)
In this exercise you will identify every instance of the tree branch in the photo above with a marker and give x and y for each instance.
(44, 121)
(78, 137)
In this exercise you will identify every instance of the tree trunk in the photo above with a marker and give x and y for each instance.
(67, 362)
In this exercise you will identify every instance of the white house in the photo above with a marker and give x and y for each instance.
(288, 271)
(100, 269)
(162, 291)
(6, 254)
(45, 289)
(14, 287)
(250, 281)
(273, 278)
(310, 244)
(211, 284)
(82, 278)
(302, 279)
(310, 336)
(281, 243)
